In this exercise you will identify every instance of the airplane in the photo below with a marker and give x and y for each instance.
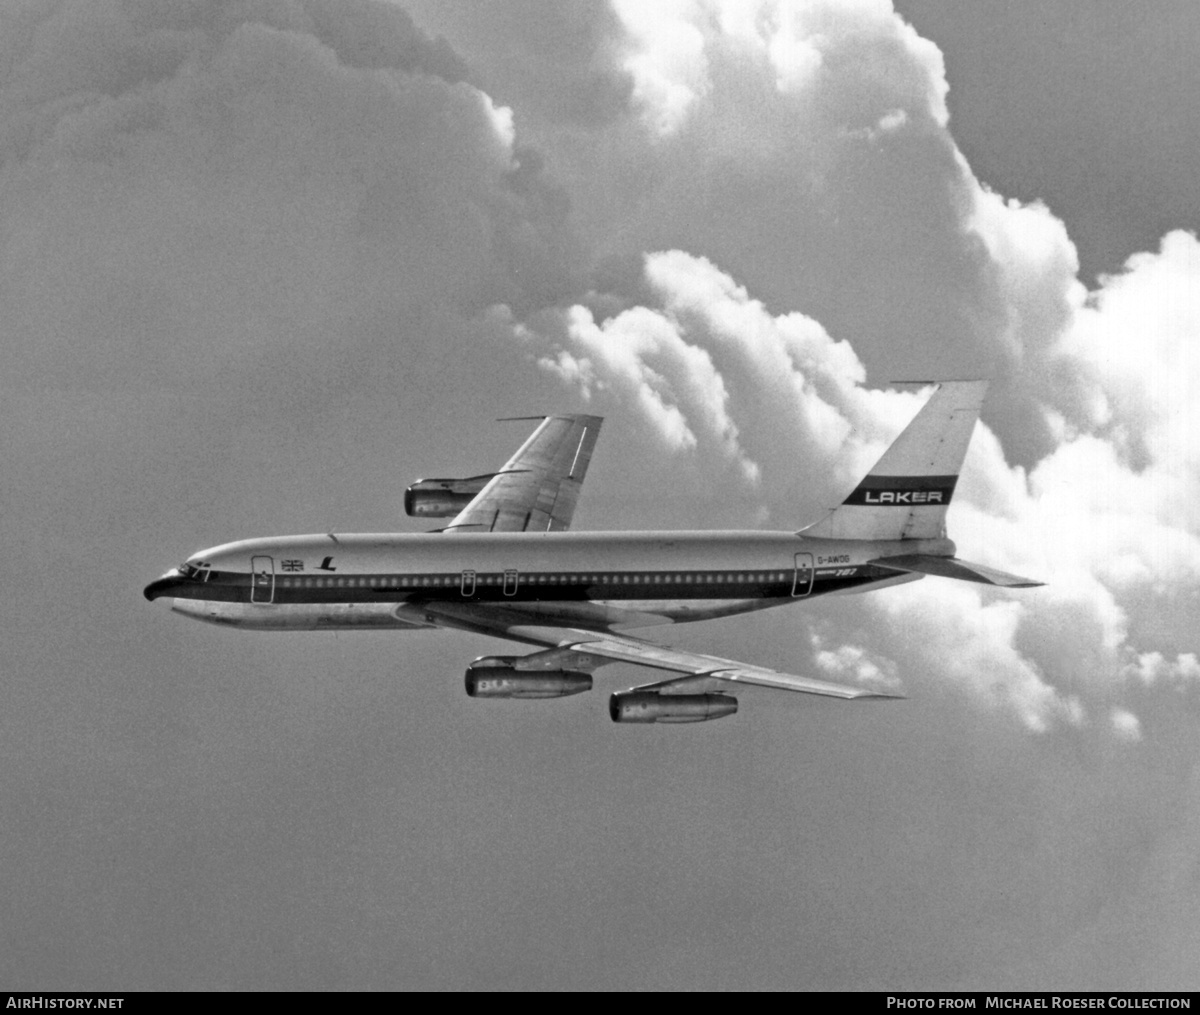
(507, 566)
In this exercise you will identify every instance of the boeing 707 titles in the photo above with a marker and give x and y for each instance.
(507, 566)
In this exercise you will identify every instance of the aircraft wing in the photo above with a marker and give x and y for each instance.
(699, 668)
(537, 489)
(576, 649)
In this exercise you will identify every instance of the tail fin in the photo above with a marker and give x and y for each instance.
(906, 495)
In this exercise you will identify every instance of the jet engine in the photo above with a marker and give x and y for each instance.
(495, 677)
(651, 706)
(442, 498)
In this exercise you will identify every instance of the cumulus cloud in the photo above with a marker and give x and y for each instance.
(852, 663)
(666, 60)
(1090, 390)
(676, 51)
(207, 188)
(1153, 668)
(1125, 724)
(321, 167)
(1098, 413)
(244, 249)
(1109, 535)
(706, 342)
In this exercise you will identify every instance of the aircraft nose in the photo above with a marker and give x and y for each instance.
(160, 587)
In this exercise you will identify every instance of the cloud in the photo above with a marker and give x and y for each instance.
(677, 50)
(678, 359)
(1152, 668)
(666, 60)
(624, 351)
(851, 663)
(1087, 478)
(316, 166)
(1125, 724)
(1103, 515)
(264, 263)
(1108, 536)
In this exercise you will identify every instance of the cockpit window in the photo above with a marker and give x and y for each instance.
(201, 573)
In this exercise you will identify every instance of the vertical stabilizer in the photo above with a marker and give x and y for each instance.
(906, 495)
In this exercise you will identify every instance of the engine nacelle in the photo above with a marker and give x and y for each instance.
(651, 706)
(442, 498)
(496, 677)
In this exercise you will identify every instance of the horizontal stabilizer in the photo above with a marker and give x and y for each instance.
(952, 567)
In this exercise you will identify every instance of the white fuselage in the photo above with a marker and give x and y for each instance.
(596, 580)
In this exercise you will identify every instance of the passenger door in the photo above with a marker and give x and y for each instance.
(803, 582)
(262, 580)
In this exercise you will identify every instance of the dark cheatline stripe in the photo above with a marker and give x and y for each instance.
(875, 491)
(236, 587)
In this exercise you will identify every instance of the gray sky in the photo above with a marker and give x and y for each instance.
(262, 266)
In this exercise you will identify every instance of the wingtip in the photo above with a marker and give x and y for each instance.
(884, 695)
(940, 380)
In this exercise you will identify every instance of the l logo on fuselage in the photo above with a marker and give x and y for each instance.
(326, 565)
